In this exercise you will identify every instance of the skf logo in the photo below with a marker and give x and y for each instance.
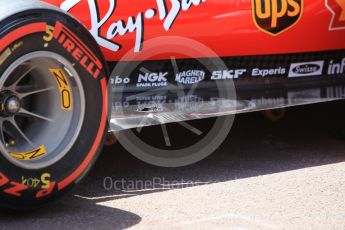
(337, 9)
(276, 16)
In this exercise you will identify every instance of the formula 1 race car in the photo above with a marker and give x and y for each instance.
(71, 70)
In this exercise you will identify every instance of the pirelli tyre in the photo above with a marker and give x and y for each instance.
(53, 103)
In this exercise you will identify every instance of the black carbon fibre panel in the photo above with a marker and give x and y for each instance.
(280, 73)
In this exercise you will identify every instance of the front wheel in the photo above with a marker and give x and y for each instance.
(53, 103)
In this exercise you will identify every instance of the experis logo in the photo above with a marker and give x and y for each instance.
(133, 24)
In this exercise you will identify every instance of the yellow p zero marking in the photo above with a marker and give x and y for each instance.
(32, 155)
(64, 88)
(5, 55)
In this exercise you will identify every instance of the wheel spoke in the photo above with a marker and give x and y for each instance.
(2, 136)
(13, 86)
(22, 95)
(174, 64)
(166, 135)
(144, 70)
(180, 92)
(192, 89)
(190, 128)
(14, 124)
(24, 112)
(142, 123)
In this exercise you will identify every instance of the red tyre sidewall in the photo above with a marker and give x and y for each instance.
(29, 31)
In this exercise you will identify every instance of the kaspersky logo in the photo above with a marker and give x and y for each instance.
(337, 8)
(276, 16)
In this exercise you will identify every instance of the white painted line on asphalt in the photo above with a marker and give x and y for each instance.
(104, 197)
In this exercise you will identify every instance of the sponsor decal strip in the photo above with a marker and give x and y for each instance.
(253, 69)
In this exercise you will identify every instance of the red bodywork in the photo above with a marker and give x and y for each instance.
(228, 27)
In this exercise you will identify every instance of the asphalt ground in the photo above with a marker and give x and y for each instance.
(288, 174)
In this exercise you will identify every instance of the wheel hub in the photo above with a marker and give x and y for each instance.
(10, 104)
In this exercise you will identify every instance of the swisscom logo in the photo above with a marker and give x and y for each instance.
(276, 16)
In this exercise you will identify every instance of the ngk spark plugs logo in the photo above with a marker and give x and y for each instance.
(276, 16)
(337, 9)
(152, 80)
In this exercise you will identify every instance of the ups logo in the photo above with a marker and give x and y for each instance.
(276, 16)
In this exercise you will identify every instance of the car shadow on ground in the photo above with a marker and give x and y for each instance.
(254, 147)
(306, 137)
(69, 213)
